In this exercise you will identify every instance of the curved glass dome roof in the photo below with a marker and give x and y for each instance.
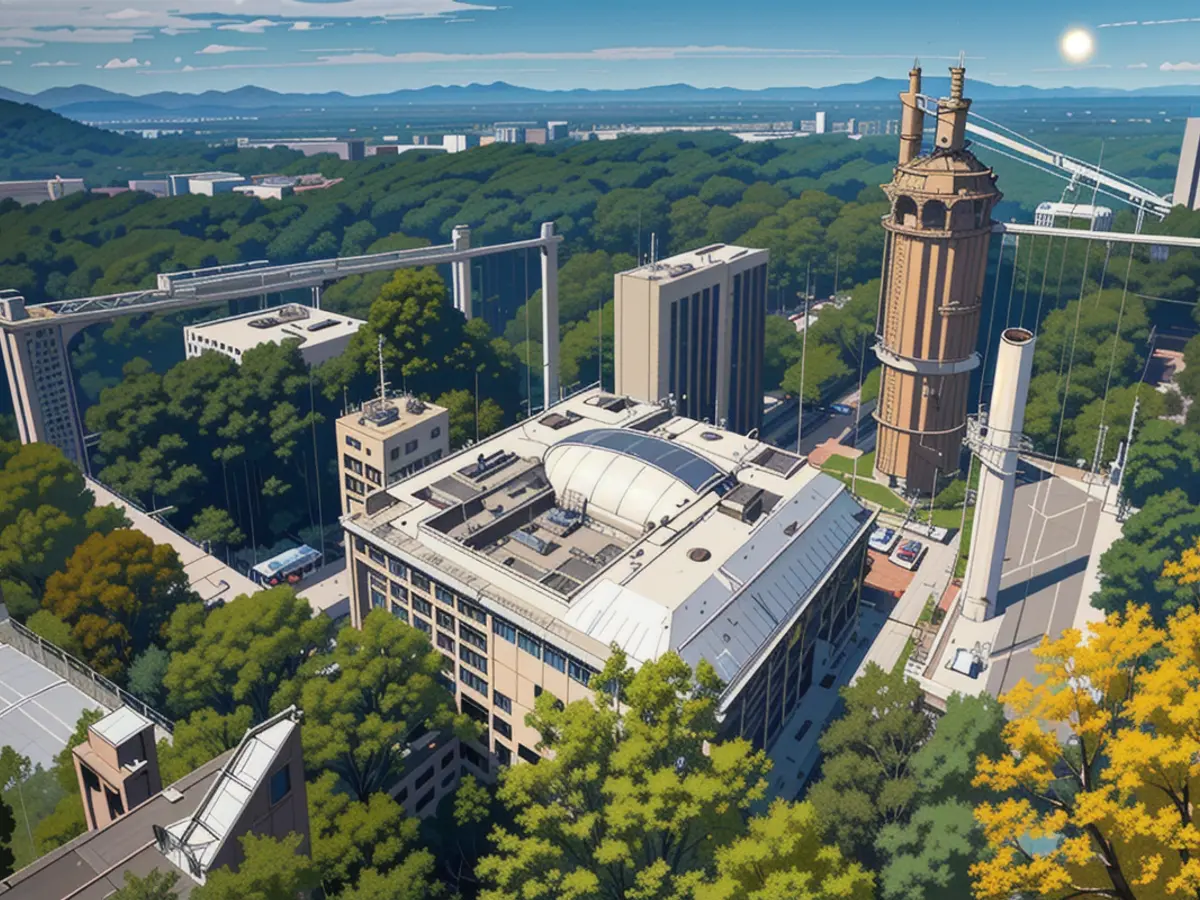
(633, 476)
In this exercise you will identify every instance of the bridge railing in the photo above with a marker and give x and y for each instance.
(77, 673)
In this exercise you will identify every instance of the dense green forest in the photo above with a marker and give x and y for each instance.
(206, 438)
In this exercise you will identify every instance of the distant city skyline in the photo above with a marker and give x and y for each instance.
(373, 46)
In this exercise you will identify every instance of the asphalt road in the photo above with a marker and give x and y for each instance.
(820, 425)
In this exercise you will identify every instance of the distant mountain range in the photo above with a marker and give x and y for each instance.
(88, 102)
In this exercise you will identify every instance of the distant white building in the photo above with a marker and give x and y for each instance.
(557, 131)
(207, 183)
(27, 192)
(820, 123)
(1049, 214)
(322, 335)
(273, 187)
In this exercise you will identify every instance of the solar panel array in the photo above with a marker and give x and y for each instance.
(677, 461)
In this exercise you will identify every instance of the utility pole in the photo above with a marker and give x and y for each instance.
(803, 360)
(862, 359)
(1100, 435)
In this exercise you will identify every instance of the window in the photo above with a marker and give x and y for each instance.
(400, 613)
(410, 447)
(420, 579)
(399, 591)
(374, 475)
(376, 555)
(450, 776)
(473, 681)
(281, 784)
(469, 656)
(471, 636)
(502, 727)
(530, 645)
(503, 754)
(424, 778)
(444, 595)
(528, 755)
(436, 433)
(424, 607)
(473, 757)
(504, 630)
(395, 454)
(420, 623)
(445, 620)
(349, 462)
(537, 690)
(378, 599)
(471, 611)
(448, 760)
(354, 485)
(402, 796)
(445, 641)
(555, 659)
(503, 702)
(579, 672)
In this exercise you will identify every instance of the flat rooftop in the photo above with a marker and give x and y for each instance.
(610, 520)
(683, 264)
(311, 327)
(378, 420)
(38, 709)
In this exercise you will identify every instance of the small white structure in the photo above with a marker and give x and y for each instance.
(322, 335)
(997, 443)
(1048, 215)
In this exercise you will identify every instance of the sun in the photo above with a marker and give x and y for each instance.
(1077, 45)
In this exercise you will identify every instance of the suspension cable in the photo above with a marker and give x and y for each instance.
(987, 343)
(1112, 359)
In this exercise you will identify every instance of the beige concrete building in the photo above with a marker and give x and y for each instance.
(936, 256)
(610, 521)
(383, 442)
(321, 335)
(194, 825)
(690, 328)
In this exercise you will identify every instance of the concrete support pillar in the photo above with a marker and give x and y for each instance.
(316, 294)
(997, 449)
(549, 315)
(460, 272)
(38, 370)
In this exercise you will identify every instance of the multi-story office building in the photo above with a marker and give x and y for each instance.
(1187, 175)
(690, 329)
(606, 521)
(321, 335)
(819, 127)
(535, 135)
(510, 134)
(385, 441)
(557, 131)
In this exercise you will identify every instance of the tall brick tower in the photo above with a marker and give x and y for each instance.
(936, 255)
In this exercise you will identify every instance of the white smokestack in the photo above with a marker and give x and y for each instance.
(997, 451)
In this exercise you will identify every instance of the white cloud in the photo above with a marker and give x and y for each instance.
(258, 26)
(178, 59)
(1180, 67)
(40, 20)
(218, 49)
(1138, 66)
(58, 63)
(17, 42)
(1133, 22)
(6, 62)
(117, 63)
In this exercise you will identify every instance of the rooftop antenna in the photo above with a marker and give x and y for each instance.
(382, 377)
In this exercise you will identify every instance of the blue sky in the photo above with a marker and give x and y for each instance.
(370, 46)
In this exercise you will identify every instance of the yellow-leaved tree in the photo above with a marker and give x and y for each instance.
(1103, 771)
(1186, 569)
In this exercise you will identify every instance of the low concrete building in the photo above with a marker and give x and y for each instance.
(194, 825)
(27, 192)
(349, 149)
(321, 335)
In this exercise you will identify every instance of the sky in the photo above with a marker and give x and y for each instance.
(374, 46)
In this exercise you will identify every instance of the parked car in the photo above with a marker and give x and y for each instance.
(841, 409)
(909, 554)
(883, 539)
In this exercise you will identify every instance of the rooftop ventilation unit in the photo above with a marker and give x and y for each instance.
(322, 325)
(414, 406)
(532, 541)
(380, 414)
(744, 503)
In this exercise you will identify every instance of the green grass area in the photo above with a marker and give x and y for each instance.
(865, 464)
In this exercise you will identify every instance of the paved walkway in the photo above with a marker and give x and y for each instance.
(38, 710)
